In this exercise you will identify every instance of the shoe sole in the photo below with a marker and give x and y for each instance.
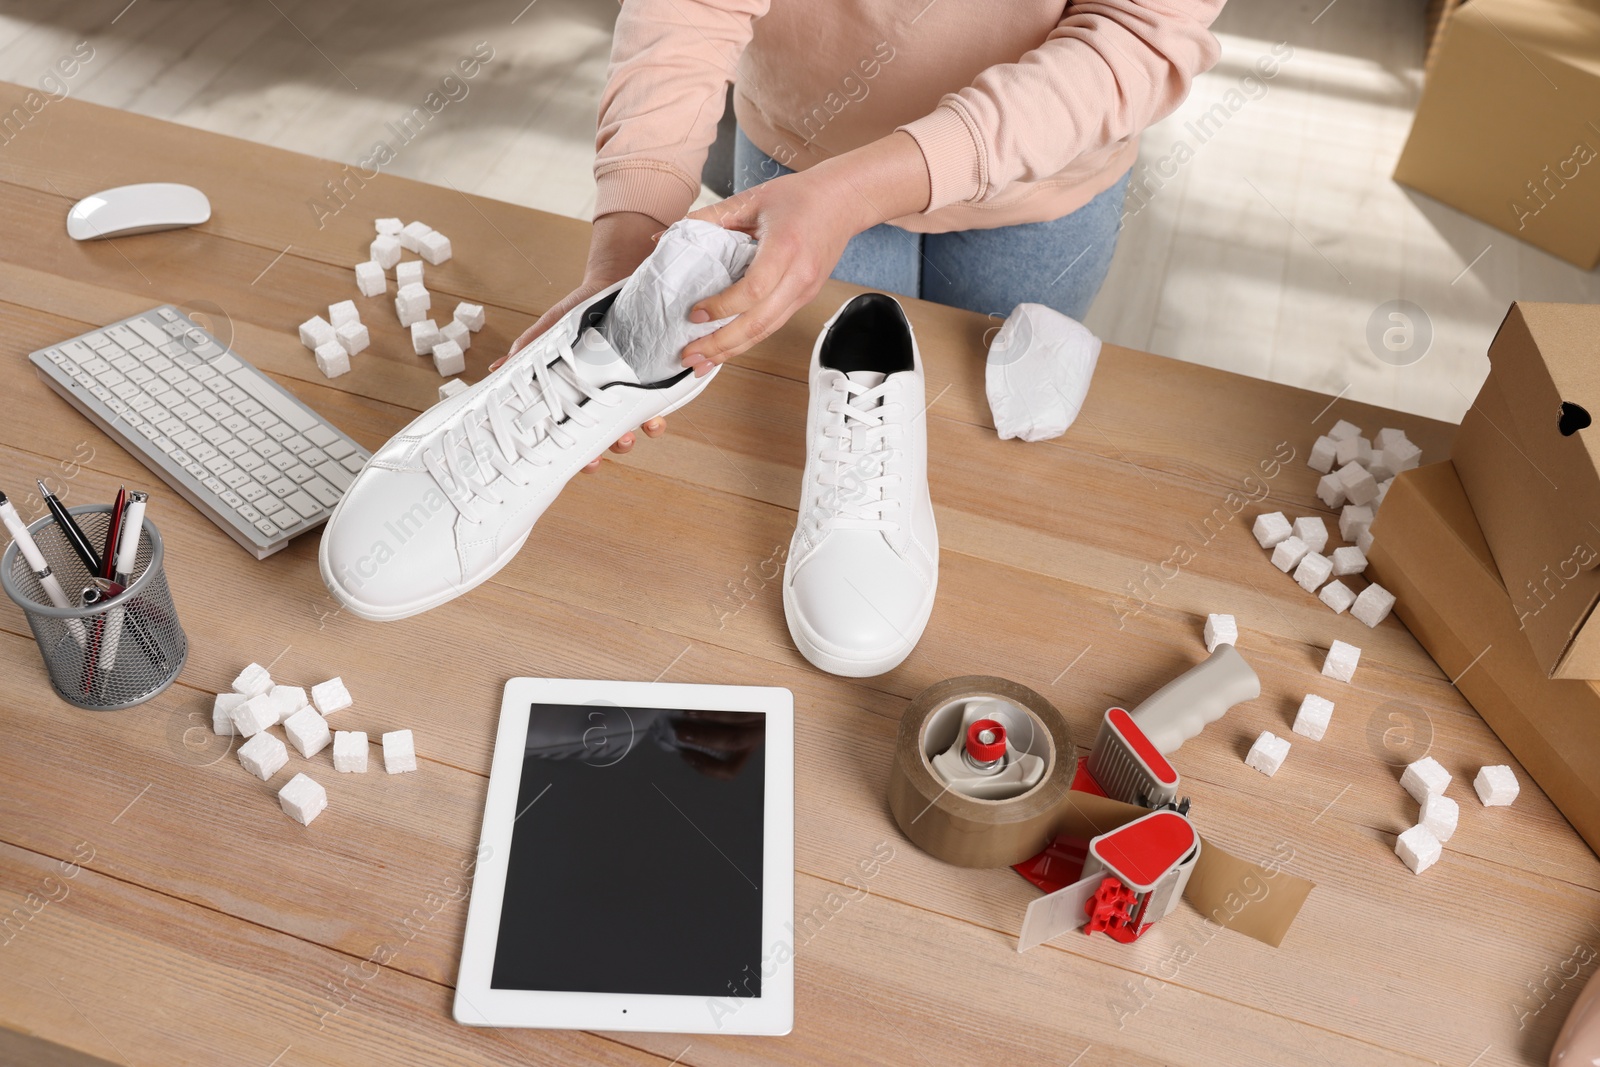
(373, 614)
(867, 666)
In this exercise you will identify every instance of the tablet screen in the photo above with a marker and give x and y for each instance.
(636, 854)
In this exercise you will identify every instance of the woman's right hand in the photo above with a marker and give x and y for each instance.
(620, 242)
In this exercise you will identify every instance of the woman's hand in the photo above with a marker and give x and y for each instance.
(802, 222)
(621, 241)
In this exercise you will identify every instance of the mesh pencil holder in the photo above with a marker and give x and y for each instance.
(114, 654)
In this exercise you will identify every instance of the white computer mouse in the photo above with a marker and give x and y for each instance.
(130, 209)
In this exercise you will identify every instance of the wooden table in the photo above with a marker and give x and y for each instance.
(203, 927)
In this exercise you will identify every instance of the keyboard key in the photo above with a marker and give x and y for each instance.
(174, 376)
(124, 336)
(250, 435)
(180, 457)
(250, 514)
(174, 329)
(202, 452)
(127, 390)
(168, 314)
(96, 340)
(78, 350)
(141, 375)
(251, 490)
(149, 431)
(267, 528)
(127, 364)
(207, 349)
(268, 449)
(217, 436)
(185, 411)
(145, 352)
(284, 460)
(233, 448)
(100, 391)
(338, 448)
(354, 463)
(245, 406)
(133, 418)
(326, 494)
(250, 461)
(195, 469)
(166, 444)
(214, 485)
(313, 457)
(172, 350)
(303, 504)
(188, 387)
(264, 419)
(219, 465)
(158, 363)
(148, 330)
(282, 488)
(230, 498)
(186, 437)
(322, 435)
(300, 474)
(226, 363)
(336, 474)
(95, 366)
(169, 426)
(270, 504)
(280, 431)
(286, 519)
(203, 422)
(112, 377)
(206, 374)
(206, 400)
(269, 394)
(141, 403)
(296, 444)
(237, 423)
(116, 405)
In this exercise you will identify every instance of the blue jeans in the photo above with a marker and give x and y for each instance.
(1060, 264)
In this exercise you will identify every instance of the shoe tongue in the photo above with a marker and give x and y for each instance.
(597, 363)
(869, 378)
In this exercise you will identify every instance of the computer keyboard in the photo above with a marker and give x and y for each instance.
(233, 443)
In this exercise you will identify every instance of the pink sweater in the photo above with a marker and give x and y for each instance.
(1023, 109)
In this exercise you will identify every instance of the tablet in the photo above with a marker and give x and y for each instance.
(636, 865)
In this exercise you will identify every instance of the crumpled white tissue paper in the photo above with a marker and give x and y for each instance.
(648, 324)
(1039, 367)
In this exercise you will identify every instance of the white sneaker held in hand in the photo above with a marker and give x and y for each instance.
(864, 562)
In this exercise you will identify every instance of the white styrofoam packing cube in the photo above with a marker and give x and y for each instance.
(1313, 571)
(1496, 786)
(287, 699)
(1402, 456)
(1348, 560)
(1313, 531)
(1353, 450)
(1373, 605)
(370, 279)
(222, 708)
(1423, 778)
(1418, 848)
(399, 752)
(1330, 490)
(408, 272)
(1343, 429)
(1383, 489)
(1271, 529)
(448, 358)
(408, 314)
(1268, 753)
(410, 233)
(307, 731)
(1340, 663)
(451, 388)
(1337, 596)
(353, 337)
(332, 359)
(1313, 717)
(1364, 540)
(255, 715)
(343, 312)
(424, 335)
(1380, 473)
(385, 250)
(434, 247)
(414, 295)
(303, 799)
(263, 755)
(252, 680)
(350, 751)
(1323, 451)
(1386, 437)
(330, 696)
(1353, 517)
(454, 331)
(470, 316)
(1439, 814)
(1290, 551)
(315, 332)
(387, 226)
(1220, 630)
(1359, 486)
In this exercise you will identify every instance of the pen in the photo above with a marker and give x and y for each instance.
(91, 597)
(108, 555)
(37, 563)
(128, 544)
(72, 532)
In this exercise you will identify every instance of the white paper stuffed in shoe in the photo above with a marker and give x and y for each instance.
(1039, 368)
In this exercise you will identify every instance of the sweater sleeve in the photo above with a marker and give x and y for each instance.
(671, 62)
(1111, 68)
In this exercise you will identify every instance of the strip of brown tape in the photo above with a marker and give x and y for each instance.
(1259, 900)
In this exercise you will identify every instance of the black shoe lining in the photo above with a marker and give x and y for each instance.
(870, 334)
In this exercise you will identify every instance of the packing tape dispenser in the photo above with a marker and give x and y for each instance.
(985, 775)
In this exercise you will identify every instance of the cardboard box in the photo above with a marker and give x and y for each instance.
(1508, 128)
(1536, 487)
(1428, 551)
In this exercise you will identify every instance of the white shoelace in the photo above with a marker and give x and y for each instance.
(505, 428)
(860, 459)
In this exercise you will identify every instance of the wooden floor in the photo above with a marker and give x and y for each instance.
(1289, 199)
(203, 927)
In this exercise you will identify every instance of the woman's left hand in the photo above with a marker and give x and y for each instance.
(802, 222)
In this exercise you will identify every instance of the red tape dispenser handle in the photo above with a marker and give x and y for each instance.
(986, 741)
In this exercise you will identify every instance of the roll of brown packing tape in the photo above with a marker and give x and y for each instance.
(1259, 900)
(964, 830)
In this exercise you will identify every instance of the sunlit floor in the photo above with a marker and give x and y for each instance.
(1264, 242)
